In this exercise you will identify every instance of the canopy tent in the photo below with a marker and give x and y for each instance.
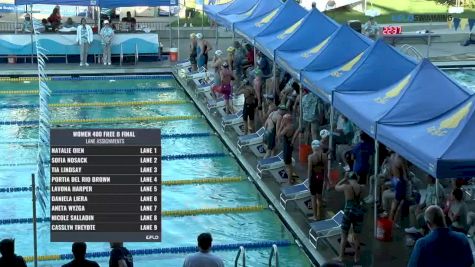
(444, 147)
(129, 3)
(358, 73)
(260, 8)
(267, 43)
(334, 54)
(212, 10)
(61, 2)
(425, 93)
(277, 19)
(302, 47)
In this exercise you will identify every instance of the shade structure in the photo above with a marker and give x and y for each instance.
(212, 10)
(358, 74)
(443, 146)
(62, 2)
(280, 18)
(425, 93)
(246, 12)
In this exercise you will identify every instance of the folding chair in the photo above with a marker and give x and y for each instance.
(325, 228)
(294, 192)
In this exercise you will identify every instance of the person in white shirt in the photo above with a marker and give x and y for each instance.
(107, 34)
(204, 257)
(84, 38)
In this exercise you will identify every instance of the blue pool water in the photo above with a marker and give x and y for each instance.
(177, 231)
(466, 77)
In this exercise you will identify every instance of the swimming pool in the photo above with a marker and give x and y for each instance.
(75, 98)
(466, 77)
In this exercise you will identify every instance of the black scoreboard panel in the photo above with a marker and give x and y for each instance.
(106, 185)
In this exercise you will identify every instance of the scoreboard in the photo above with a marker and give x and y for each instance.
(105, 185)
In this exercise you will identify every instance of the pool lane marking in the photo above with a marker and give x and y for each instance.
(165, 213)
(198, 181)
(87, 91)
(265, 244)
(100, 104)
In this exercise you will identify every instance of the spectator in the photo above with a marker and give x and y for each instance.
(287, 135)
(120, 256)
(130, 22)
(371, 28)
(361, 154)
(128, 17)
(9, 258)
(442, 247)
(204, 257)
(79, 253)
(354, 212)
(399, 180)
(249, 62)
(325, 141)
(69, 23)
(264, 64)
(189, 12)
(311, 112)
(27, 24)
(193, 52)
(314, 5)
(107, 34)
(416, 212)
(55, 19)
(458, 212)
(316, 173)
(230, 59)
(84, 38)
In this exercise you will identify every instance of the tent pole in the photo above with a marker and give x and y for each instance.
(178, 37)
(217, 35)
(16, 19)
(255, 57)
(98, 10)
(35, 233)
(437, 191)
(332, 115)
(376, 167)
(170, 27)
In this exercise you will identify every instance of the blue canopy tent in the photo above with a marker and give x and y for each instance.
(358, 73)
(301, 48)
(128, 3)
(444, 147)
(277, 19)
(334, 54)
(212, 10)
(268, 43)
(59, 2)
(426, 92)
(261, 7)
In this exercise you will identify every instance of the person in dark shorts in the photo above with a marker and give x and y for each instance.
(79, 252)
(9, 258)
(361, 155)
(288, 135)
(249, 109)
(316, 173)
(354, 212)
(120, 256)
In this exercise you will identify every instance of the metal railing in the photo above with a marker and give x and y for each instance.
(241, 251)
(274, 253)
(412, 51)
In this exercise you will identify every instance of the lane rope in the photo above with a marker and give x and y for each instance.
(117, 78)
(198, 181)
(105, 120)
(87, 91)
(171, 250)
(165, 213)
(99, 104)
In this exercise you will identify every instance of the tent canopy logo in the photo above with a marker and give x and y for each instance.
(290, 30)
(348, 66)
(266, 19)
(393, 92)
(452, 122)
(315, 49)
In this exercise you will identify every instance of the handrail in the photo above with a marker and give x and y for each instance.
(241, 251)
(274, 253)
(409, 48)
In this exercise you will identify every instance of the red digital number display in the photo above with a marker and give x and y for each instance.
(389, 30)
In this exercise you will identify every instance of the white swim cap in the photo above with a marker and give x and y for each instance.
(218, 53)
(315, 144)
(199, 35)
(324, 133)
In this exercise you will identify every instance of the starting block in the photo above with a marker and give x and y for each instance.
(275, 166)
(255, 142)
(235, 121)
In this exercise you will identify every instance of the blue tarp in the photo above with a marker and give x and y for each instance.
(443, 147)
(299, 50)
(58, 2)
(212, 10)
(260, 8)
(424, 93)
(358, 73)
(280, 18)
